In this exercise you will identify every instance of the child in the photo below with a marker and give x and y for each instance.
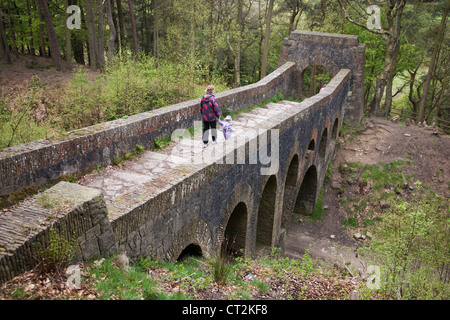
(227, 127)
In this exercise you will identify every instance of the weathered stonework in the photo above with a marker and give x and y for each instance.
(335, 52)
(188, 204)
(72, 210)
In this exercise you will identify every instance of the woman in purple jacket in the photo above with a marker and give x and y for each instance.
(209, 108)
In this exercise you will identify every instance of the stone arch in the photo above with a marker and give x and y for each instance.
(196, 232)
(192, 249)
(323, 143)
(317, 59)
(313, 78)
(336, 52)
(290, 186)
(335, 129)
(306, 197)
(235, 220)
(266, 214)
(236, 230)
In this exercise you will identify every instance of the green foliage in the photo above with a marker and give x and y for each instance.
(317, 214)
(411, 246)
(221, 267)
(384, 175)
(19, 120)
(56, 256)
(126, 87)
(139, 149)
(123, 283)
(162, 143)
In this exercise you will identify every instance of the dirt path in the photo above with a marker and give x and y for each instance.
(377, 141)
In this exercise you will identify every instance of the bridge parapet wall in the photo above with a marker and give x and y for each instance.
(41, 162)
(73, 211)
(335, 52)
(190, 204)
(196, 204)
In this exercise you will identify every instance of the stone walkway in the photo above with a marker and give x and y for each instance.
(150, 169)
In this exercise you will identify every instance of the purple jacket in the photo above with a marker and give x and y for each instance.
(227, 128)
(209, 108)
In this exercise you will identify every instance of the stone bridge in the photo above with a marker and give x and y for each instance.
(184, 198)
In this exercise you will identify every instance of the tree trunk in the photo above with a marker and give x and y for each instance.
(386, 77)
(54, 47)
(192, 45)
(156, 32)
(43, 51)
(68, 44)
(116, 25)
(4, 41)
(101, 35)
(76, 43)
(30, 28)
(133, 28)
(121, 25)
(312, 85)
(266, 41)
(209, 40)
(11, 32)
(91, 35)
(441, 98)
(433, 62)
(295, 12)
(112, 30)
(237, 57)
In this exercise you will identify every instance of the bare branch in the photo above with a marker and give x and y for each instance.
(362, 25)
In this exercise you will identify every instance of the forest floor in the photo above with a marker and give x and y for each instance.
(25, 66)
(425, 153)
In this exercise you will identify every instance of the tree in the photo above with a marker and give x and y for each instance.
(54, 47)
(30, 27)
(101, 35)
(68, 44)
(296, 8)
(11, 32)
(133, 30)
(121, 24)
(91, 35)
(42, 49)
(112, 30)
(266, 40)
(391, 35)
(3, 40)
(433, 62)
(156, 31)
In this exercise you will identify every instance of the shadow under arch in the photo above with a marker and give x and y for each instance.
(335, 129)
(323, 143)
(266, 214)
(195, 234)
(306, 198)
(236, 230)
(234, 224)
(290, 186)
(191, 250)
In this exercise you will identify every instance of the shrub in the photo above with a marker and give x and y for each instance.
(411, 247)
(55, 257)
(19, 121)
(221, 266)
